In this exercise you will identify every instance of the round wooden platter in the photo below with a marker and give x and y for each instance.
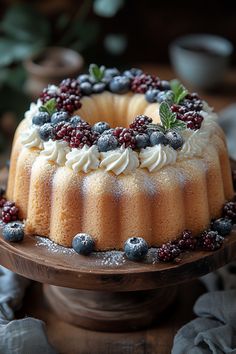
(40, 259)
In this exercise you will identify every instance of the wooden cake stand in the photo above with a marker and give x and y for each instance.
(105, 291)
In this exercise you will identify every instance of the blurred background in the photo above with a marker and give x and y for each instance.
(121, 33)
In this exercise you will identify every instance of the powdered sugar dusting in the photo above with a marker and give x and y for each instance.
(111, 258)
(52, 246)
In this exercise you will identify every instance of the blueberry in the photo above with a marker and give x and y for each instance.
(83, 78)
(136, 248)
(13, 232)
(132, 73)
(119, 84)
(108, 132)
(76, 120)
(86, 88)
(111, 72)
(175, 140)
(167, 96)
(100, 127)
(142, 140)
(151, 95)
(59, 117)
(223, 226)
(107, 142)
(157, 138)
(99, 87)
(46, 132)
(165, 85)
(41, 118)
(83, 244)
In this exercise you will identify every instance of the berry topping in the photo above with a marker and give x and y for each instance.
(187, 241)
(168, 252)
(151, 95)
(83, 78)
(111, 72)
(157, 138)
(142, 140)
(167, 96)
(210, 240)
(223, 226)
(13, 232)
(125, 137)
(100, 127)
(119, 84)
(164, 85)
(144, 82)
(70, 86)
(68, 102)
(136, 248)
(86, 88)
(46, 132)
(83, 244)
(229, 210)
(99, 87)
(192, 102)
(174, 139)
(140, 123)
(9, 212)
(60, 116)
(76, 120)
(41, 118)
(193, 120)
(132, 73)
(107, 142)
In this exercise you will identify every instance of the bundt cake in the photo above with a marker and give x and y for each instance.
(116, 155)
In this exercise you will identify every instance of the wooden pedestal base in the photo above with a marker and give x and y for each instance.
(109, 311)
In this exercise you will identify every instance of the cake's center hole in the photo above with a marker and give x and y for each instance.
(117, 110)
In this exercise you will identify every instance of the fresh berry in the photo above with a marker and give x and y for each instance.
(168, 252)
(107, 142)
(133, 72)
(100, 127)
(70, 86)
(68, 102)
(175, 139)
(108, 132)
(193, 120)
(60, 116)
(210, 240)
(157, 138)
(63, 131)
(192, 102)
(111, 72)
(41, 118)
(144, 82)
(83, 78)
(99, 87)
(10, 212)
(13, 232)
(179, 110)
(76, 120)
(80, 137)
(47, 94)
(86, 88)
(119, 84)
(125, 136)
(164, 85)
(229, 211)
(46, 132)
(83, 244)
(140, 123)
(223, 226)
(151, 95)
(167, 96)
(187, 241)
(142, 140)
(136, 248)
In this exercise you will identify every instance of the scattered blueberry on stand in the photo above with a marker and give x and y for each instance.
(223, 226)
(83, 244)
(136, 248)
(13, 232)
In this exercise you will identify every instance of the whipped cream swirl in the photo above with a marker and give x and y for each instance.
(56, 151)
(122, 160)
(33, 110)
(194, 143)
(31, 139)
(155, 157)
(85, 159)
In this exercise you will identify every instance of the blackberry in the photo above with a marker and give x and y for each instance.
(140, 123)
(192, 102)
(144, 82)
(193, 119)
(62, 131)
(70, 86)
(187, 241)
(81, 137)
(46, 95)
(126, 137)
(229, 211)
(168, 252)
(67, 102)
(210, 240)
(10, 212)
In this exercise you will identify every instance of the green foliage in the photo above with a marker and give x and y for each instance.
(168, 118)
(97, 72)
(50, 106)
(179, 91)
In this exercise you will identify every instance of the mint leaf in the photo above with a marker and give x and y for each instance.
(168, 118)
(179, 91)
(96, 72)
(50, 106)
